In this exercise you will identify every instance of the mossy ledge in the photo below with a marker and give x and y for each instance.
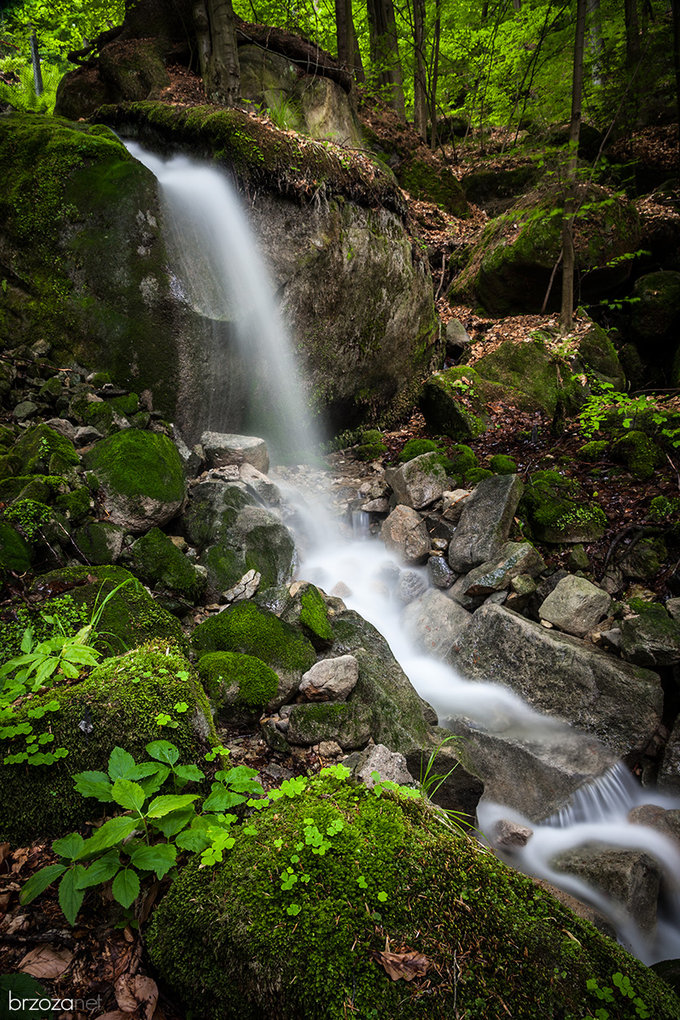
(258, 154)
(233, 943)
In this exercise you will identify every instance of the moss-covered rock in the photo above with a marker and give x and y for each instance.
(433, 184)
(237, 684)
(158, 562)
(650, 637)
(453, 403)
(557, 511)
(598, 354)
(510, 268)
(416, 447)
(347, 723)
(42, 451)
(531, 375)
(129, 618)
(656, 311)
(249, 629)
(594, 450)
(232, 942)
(141, 476)
(372, 445)
(15, 552)
(462, 459)
(116, 705)
(475, 475)
(638, 452)
(100, 542)
(314, 617)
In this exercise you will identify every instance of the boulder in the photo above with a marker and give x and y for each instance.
(419, 482)
(669, 772)
(223, 448)
(557, 511)
(650, 638)
(159, 563)
(598, 354)
(531, 376)
(238, 685)
(485, 522)
(656, 312)
(330, 679)
(667, 822)
(390, 766)
(100, 542)
(347, 723)
(561, 676)
(514, 559)
(439, 572)
(453, 402)
(434, 623)
(575, 605)
(140, 476)
(405, 532)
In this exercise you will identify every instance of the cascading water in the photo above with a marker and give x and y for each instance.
(221, 276)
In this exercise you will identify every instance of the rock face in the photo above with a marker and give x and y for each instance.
(630, 877)
(563, 677)
(485, 522)
(435, 622)
(419, 482)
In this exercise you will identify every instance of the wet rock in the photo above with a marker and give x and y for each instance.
(509, 836)
(405, 532)
(562, 676)
(243, 589)
(513, 559)
(223, 448)
(440, 573)
(64, 427)
(390, 765)
(575, 605)
(419, 482)
(652, 637)
(665, 822)
(330, 679)
(411, 585)
(100, 542)
(435, 623)
(485, 522)
(261, 485)
(439, 759)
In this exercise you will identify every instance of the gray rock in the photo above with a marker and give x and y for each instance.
(655, 817)
(348, 723)
(457, 338)
(262, 486)
(411, 585)
(390, 765)
(25, 409)
(513, 559)
(523, 584)
(578, 558)
(562, 676)
(191, 459)
(575, 605)
(672, 606)
(453, 503)
(669, 773)
(435, 623)
(222, 448)
(630, 877)
(440, 573)
(438, 764)
(508, 836)
(485, 522)
(330, 679)
(243, 589)
(419, 482)
(86, 434)
(100, 542)
(63, 426)
(404, 531)
(652, 638)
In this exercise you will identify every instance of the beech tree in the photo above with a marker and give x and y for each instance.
(217, 50)
(568, 261)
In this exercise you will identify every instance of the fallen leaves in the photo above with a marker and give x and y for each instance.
(46, 962)
(136, 992)
(406, 966)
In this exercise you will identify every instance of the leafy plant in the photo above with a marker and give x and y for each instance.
(623, 986)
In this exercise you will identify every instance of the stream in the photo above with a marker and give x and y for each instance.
(220, 274)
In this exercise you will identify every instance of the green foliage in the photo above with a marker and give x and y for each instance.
(632, 1005)
(415, 447)
(500, 464)
(372, 445)
(29, 516)
(127, 849)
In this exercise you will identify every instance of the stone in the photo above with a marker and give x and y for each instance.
(669, 772)
(86, 434)
(100, 542)
(578, 558)
(630, 877)
(512, 560)
(523, 584)
(390, 765)
(405, 533)
(64, 427)
(440, 573)
(453, 503)
(419, 482)
(330, 679)
(329, 749)
(509, 836)
(245, 588)
(673, 609)
(558, 511)
(157, 561)
(563, 677)
(25, 409)
(380, 505)
(575, 605)
(411, 585)
(435, 623)
(223, 448)
(261, 485)
(667, 822)
(453, 403)
(650, 638)
(457, 339)
(348, 723)
(485, 522)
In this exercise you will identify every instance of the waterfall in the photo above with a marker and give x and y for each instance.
(220, 275)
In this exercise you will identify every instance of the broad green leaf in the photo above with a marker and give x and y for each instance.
(70, 895)
(192, 840)
(163, 750)
(69, 846)
(39, 882)
(221, 798)
(94, 784)
(169, 802)
(121, 764)
(189, 773)
(173, 823)
(129, 795)
(159, 858)
(101, 870)
(109, 834)
(125, 887)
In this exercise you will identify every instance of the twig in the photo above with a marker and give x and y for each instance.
(441, 279)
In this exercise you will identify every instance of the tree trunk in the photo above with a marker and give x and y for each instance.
(217, 50)
(35, 60)
(434, 74)
(595, 44)
(420, 76)
(568, 260)
(632, 33)
(385, 51)
(349, 53)
(675, 6)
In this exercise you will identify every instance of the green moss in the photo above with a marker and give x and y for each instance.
(126, 405)
(557, 510)
(502, 465)
(594, 450)
(314, 616)
(231, 678)
(43, 451)
(477, 475)
(118, 704)
(15, 552)
(638, 452)
(433, 184)
(662, 509)
(130, 617)
(158, 562)
(29, 517)
(76, 504)
(99, 541)
(497, 944)
(453, 403)
(138, 464)
(99, 415)
(63, 609)
(247, 628)
(101, 379)
(38, 487)
(463, 459)
(414, 448)
(372, 445)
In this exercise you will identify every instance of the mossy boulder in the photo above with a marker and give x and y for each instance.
(116, 705)
(372, 445)
(651, 637)
(238, 685)
(231, 942)
(42, 451)
(638, 452)
(141, 477)
(129, 618)
(83, 256)
(501, 464)
(656, 312)
(510, 268)
(598, 354)
(100, 542)
(159, 563)
(433, 183)
(453, 402)
(348, 723)
(416, 447)
(304, 606)
(15, 552)
(531, 376)
(557, 511)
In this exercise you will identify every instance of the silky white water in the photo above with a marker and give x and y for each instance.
(221, 276)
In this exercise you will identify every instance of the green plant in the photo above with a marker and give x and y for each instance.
(128, 848)
(281, 111)
(623, 986)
